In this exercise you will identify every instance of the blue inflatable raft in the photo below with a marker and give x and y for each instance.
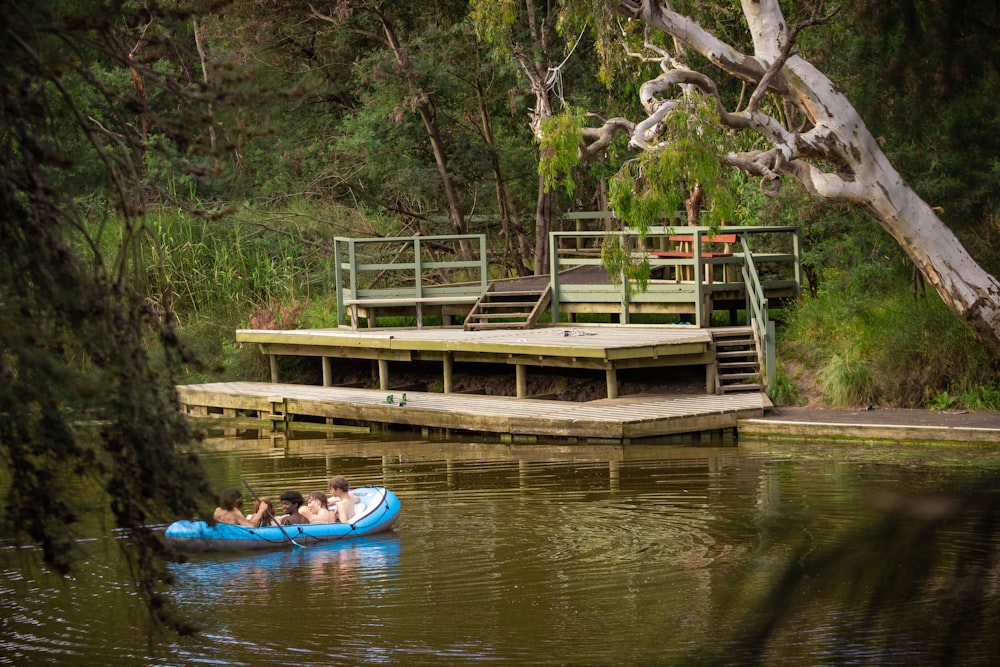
(377, 512)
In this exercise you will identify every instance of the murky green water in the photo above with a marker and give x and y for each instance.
(542, 554)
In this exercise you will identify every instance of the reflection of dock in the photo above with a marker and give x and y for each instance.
(621, 420)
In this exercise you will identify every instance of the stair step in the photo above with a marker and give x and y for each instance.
(497, 325)
(489, 316)
(746, 342)
(740, 387)
(734, 354)
(505, 304)
(750, 363)
(738, 376)
(506, 294)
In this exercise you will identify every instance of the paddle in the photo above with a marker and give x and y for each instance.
(273, 518)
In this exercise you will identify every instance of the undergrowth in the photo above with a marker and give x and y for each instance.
(892, 350)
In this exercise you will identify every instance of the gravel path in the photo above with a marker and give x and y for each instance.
(890, 416)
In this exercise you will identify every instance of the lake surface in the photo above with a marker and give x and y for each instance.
(565, 555)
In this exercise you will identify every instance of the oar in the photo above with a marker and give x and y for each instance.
(273, 518)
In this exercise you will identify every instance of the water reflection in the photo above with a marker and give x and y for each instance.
(368, 561)
(536, 554)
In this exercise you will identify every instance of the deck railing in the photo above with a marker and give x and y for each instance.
(685, 263)
(690, 268)
(408, 269)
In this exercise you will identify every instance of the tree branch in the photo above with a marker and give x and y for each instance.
(786, 50)
(603, 136)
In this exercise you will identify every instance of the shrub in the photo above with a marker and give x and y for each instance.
(847, 382)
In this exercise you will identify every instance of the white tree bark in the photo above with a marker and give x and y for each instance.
(834, 134)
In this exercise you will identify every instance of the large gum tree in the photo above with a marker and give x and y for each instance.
(808, 131)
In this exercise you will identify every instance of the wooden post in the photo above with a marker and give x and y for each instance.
(272, 360)
(449, 368)
(521, 375)
(383, 374)
(327, 372)
(612, 375)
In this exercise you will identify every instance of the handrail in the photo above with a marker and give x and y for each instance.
(572, 249)
(757, 313)
(347, 265)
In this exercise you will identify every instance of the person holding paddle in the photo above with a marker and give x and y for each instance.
(228, 510)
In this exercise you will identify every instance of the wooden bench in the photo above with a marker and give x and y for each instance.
(726, 239)
(402, 302)
(685, 241)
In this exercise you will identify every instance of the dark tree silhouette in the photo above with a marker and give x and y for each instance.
(87, 356)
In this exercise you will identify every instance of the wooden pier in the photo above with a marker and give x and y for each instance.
(504, 325)
(603, 349)
(621, 420)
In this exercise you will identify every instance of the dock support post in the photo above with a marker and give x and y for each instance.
(272, 360)
(612, 375)
(383, 374)
(449, 369)
(521, 379)
(327, 372)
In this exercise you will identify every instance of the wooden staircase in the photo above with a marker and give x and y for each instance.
(507, 309)
(738, 360)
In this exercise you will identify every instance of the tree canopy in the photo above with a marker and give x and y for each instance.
(808, 131)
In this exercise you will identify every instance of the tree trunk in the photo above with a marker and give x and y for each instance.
(455, 211)
(424, 110)
(970, 292)
(543, 225)
(516, 253)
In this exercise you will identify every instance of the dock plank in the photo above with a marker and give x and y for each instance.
(619, 418)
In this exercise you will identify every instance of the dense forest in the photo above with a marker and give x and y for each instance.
(179, 170)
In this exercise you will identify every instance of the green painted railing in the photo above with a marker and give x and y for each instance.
(408, 268)
(760, 261)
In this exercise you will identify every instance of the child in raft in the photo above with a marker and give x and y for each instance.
(344, 500)
(316, 509)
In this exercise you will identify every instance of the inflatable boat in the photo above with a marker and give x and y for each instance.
(377, 512)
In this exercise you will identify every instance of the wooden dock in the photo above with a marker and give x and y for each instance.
(603, 349)
(620, 420)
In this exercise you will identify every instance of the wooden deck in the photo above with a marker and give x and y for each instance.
(617, 420)
(600, 348)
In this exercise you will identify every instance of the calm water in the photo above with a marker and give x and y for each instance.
(551, 555)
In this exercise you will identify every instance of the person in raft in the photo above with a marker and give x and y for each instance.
(344, 500)
(291, 501)
(228, 510)
(316, 509)
(269, 516)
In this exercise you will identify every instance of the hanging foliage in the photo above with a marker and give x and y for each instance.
(655, 185)
(562, 135)
(651, 189)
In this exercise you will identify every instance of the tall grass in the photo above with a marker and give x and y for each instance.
(217, 275)
(892, 349)
(847, 382)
